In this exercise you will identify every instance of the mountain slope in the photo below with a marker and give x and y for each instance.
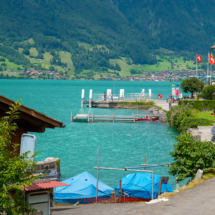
(176, 25)
(133, 29)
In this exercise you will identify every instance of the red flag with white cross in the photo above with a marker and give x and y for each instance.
(199, 58)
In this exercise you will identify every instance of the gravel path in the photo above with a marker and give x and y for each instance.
(197, 201)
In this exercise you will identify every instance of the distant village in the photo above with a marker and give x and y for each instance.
(165, 75)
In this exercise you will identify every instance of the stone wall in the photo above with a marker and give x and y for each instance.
(49, 164)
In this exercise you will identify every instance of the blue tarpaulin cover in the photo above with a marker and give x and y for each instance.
(139, 185)
(82, 188)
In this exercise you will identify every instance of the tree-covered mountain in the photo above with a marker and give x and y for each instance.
(176, 25)
(133, 29)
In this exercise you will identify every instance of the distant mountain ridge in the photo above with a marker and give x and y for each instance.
(127, 28)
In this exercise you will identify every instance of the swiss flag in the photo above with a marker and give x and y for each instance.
(211, 59)
(199, 58)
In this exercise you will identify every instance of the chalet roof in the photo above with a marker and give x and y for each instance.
(30, 120)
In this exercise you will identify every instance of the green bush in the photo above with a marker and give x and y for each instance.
(194, 123)
(190, 155)
(208, 92)
(201, 105)
(178, 115)
(142, 102)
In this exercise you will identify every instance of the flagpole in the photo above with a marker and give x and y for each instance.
(210, 74)
(207, 68)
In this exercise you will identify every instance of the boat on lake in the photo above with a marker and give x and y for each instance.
(82, 189)
(154, 118)
(139, 186)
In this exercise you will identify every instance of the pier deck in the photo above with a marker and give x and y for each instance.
(110, 118)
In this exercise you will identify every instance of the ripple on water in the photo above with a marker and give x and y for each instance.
(122, 144)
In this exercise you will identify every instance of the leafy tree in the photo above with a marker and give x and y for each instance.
(190, 155)
(51, 68)
(15, 170)
(117, 67)
(26, 52)
(192, 85)
(208, 92)
(1, 68)
(133, 71)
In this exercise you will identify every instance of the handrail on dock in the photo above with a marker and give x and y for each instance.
(110, 118)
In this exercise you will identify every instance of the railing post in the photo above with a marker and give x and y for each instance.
(113, 116)
(121, 94)
(82, 98)
(88, 117)
(150, 93)
(90, 98)
(92, 116)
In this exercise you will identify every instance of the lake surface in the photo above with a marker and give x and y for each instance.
(122, 144)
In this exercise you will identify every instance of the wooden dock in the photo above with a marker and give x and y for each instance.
(110, 118)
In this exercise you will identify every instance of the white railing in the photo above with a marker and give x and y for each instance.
(127, 97)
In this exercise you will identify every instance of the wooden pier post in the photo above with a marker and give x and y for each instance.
(90, 98)
(82, 98)
(88, 117)
(150, 93)
(113, 116)
(71, 117)
(121, 94)
(120, 190)
(159, 192)
(92, 116)
(133, 115)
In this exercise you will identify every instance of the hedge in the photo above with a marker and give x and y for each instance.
(201, 105)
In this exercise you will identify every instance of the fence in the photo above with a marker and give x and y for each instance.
(31, 213)
(127, 97)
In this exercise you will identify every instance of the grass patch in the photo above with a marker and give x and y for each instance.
(207, 115)
(10, 65)
(66, 58)
(33, 52)
(191, 184)
(165, 65)
(137, 103)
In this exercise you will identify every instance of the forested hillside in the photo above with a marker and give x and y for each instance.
(96, 31)
(176, 25)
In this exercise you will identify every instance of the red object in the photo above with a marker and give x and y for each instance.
(213, 114)
(148, 119)
(199, 58)
(160, 96)
(176, 91)
(211, 59)
(45, 185)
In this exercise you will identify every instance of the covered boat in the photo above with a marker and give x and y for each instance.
(139, 186)
(82, 189)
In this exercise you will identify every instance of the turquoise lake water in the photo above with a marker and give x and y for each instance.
(122, 144)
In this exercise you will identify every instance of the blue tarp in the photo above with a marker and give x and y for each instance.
(83, 189)
(139, 185)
